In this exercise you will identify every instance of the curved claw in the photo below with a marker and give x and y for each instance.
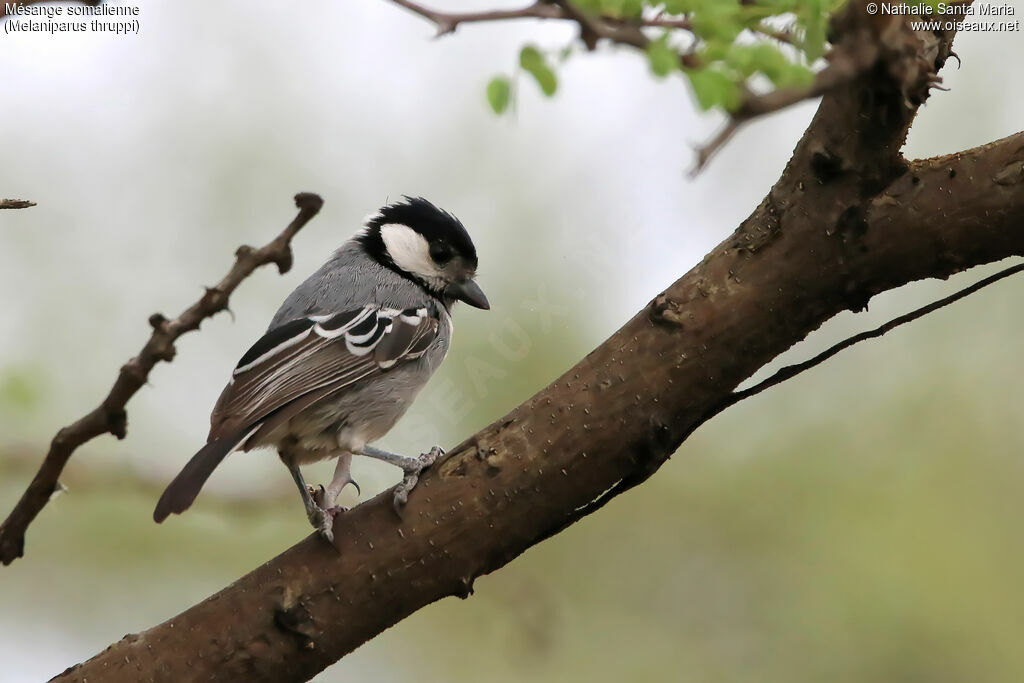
(317, 494)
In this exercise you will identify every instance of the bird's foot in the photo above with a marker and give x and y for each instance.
(323, 521)
(321, 518)
(413, 467)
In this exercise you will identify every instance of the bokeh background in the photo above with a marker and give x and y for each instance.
(860, 523)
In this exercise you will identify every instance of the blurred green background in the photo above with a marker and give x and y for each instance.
(859, 523)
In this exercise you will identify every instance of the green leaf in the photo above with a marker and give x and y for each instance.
(795, 76)
(621, 9)
(815, 23)
(719, 21)
(534, 63)
(714, 89)
(632, 9)
(499, 93)
(664, 60)
(680, 6)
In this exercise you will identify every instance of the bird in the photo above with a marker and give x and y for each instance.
(344, 357)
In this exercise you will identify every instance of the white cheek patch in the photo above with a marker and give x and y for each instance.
(409, 250)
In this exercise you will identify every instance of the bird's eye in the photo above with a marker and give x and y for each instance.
(441, 253)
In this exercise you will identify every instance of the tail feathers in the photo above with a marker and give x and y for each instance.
(183, 490)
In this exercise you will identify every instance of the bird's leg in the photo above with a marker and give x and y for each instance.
(411, 466)
(342, 478)
(318, 517)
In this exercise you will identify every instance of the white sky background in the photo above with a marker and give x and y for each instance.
(153, 156)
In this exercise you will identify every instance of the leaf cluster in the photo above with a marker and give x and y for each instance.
(723, 48)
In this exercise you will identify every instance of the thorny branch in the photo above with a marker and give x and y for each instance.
(110, 417)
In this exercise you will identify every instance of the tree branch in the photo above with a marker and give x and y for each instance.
(15, 204)
(861, 47)
(110, 417)
(447, 22)
(845, 67)
(608, 422)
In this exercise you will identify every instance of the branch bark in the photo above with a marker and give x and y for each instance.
(849, 218)
(110, 416)
(15, 204)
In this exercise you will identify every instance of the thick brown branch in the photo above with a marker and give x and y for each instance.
(109, 416)
(15, 204)
(849, 218)
(606, 423)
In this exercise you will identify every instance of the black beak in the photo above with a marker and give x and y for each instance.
(470, 292)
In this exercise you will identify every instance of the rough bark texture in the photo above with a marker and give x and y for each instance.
(848, 219)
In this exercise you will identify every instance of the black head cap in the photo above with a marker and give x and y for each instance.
(443, 231)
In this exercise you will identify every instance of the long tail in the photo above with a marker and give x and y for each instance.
(183, 490)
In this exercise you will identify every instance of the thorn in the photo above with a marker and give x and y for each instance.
(465, 587)
(117, 423)
(58, 489)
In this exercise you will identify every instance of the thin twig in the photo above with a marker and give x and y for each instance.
(110, 417)
(15, 203)
(791, 371)
(704, 152)
(845, 66)
(592, 27)
(447, 22)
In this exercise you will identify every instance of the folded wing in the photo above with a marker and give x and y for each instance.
(298, 363)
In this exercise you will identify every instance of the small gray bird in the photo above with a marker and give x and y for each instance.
(344, 357)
